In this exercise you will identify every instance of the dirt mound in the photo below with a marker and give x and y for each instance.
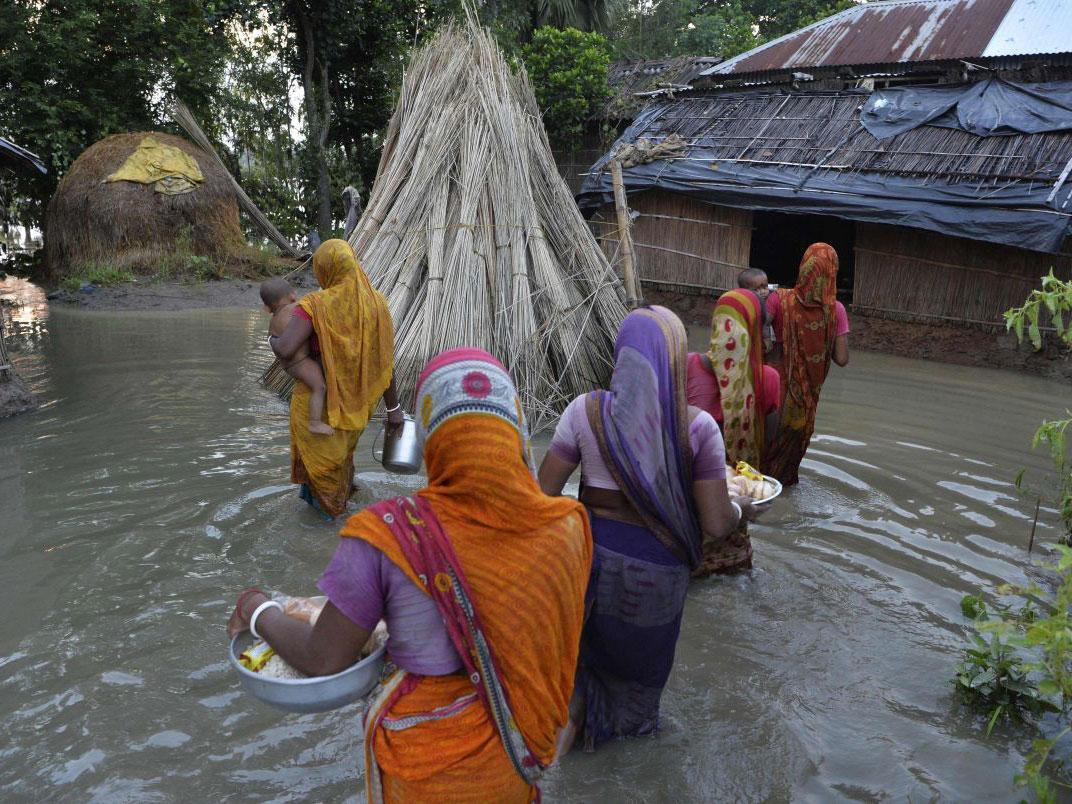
(15, 397)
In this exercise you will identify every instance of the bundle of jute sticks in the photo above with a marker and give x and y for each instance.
(473, 236)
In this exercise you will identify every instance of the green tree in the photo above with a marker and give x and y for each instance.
(568, 69)
(347, 56)
(515, 23)
(666, 28)
(75, 71)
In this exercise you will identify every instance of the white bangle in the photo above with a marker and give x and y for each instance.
(267, 604)
(737, 508)
(396, 407)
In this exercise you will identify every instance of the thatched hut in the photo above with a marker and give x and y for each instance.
(143, 221)
(936, 159)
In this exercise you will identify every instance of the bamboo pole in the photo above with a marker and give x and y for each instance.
(625, 238)
(185, 118)
(6, 371)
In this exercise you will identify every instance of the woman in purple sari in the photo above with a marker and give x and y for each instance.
(653, 477)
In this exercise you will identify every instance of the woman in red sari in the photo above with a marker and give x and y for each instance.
(810, 334)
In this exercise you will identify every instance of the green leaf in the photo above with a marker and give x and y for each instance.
(986, 677)
(994, 719)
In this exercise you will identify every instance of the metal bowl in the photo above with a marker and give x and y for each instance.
(318, 694)
(777, 490)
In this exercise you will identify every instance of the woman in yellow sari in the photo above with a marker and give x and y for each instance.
(481, 579)
(348, 327)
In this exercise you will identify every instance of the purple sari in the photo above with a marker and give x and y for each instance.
(640, 575)
(642, 426)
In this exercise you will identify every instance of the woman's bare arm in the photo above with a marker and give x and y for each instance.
(718, 519)
(841, 350)
(390, 400)
(553, 474)
(297, 333)
(330, 646)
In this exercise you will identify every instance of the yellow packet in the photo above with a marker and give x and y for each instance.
(746, 470)
(256, 656)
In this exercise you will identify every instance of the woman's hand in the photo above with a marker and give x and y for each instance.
(247, 604)
(396, 417)
(749, 510)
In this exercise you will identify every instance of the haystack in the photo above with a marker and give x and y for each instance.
(475, 239)
(133, 225)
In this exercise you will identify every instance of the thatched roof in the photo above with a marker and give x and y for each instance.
(793, 146)
(633, 82)
(128, 225)
(822, 129)
(15, 157)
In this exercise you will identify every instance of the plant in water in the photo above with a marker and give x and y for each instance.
(1021, 662)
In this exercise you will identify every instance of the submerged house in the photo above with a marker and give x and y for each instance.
(928, 141)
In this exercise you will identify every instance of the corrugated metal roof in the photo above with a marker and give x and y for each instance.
(1033, 26)
(895, 31)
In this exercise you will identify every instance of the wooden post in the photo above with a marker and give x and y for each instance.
(6, 371)
(635, 296)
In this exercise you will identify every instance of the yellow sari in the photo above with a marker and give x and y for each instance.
(356, 337)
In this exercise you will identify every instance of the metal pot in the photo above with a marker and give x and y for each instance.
(401, 453)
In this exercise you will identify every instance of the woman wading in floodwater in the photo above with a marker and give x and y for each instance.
(731, 383)
(481, 579)
(811, 328)
(348, 327)
(653, 476)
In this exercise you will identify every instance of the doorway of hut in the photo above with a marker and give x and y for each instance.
(780, 240)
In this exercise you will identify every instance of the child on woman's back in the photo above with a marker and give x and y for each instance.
(279, 297)
(755, 280)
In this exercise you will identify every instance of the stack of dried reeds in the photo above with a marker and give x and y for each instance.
(473, 236)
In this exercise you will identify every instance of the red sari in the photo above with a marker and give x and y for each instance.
(809, 327)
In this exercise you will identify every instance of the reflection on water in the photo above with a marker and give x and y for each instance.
(153, 487)
(24, 309)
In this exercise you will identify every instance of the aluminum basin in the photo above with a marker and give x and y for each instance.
(318, 694)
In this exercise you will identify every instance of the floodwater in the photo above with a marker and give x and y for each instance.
(152, 486)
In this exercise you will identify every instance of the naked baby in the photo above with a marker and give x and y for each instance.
(279, 297)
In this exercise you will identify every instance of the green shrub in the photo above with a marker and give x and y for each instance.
(568, 69)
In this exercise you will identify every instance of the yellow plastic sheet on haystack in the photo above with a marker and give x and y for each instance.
(171, 170)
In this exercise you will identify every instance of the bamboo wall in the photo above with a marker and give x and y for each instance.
(680, 243)
(573, 165)
(909, 274)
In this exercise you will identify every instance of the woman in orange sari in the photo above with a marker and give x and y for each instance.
(481, 579)
(809, 328)
(349, 329)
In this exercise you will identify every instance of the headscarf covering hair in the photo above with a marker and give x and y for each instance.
(736, 355)
(642, 426)
(356, 336)
(526, 560)
(809, 326)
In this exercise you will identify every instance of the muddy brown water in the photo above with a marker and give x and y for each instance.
(152, 486)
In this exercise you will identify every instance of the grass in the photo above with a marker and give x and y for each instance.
(181, 264)
(104, 276)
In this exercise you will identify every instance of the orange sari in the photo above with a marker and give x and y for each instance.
(526, 559)
(809, 326)
(356, 337)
